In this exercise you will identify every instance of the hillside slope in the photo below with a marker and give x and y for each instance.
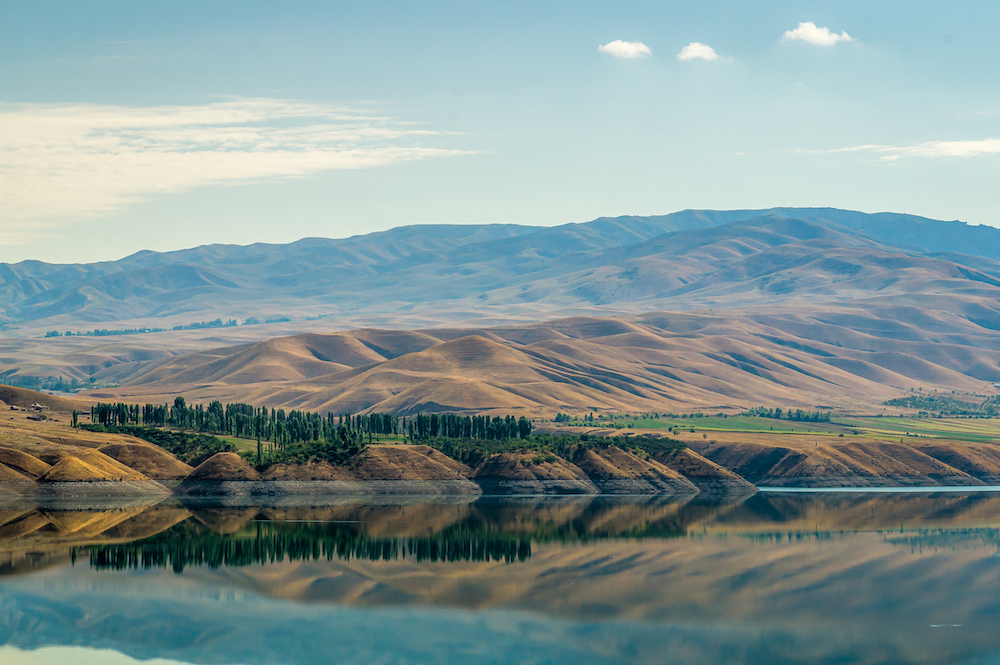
(845, 356)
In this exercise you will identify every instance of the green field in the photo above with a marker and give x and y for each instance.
(963, 429)
(719, 424)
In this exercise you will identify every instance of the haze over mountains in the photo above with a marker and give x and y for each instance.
(796, 307)
(440, 274)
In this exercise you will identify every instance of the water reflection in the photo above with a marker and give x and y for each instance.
(267, 542)
(766, 579)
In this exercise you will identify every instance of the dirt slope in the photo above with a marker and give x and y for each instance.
(23, 462)
(614, 470)
(224, 466)
(705, 474)
(855, 463)
(9, 475)
(22, 397)
(149, 460)
(806, 355)
(74, 464)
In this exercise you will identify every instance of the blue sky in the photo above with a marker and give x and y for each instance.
(162, 125)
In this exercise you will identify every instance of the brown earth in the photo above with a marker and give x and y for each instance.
(23, 462)
(9, 475)
(848, 356)
(703, 472)
(86, 465)
(149, 460)
(787, 462)
(529, 466)
(22, 397)
(312, 471)
(224, 466)
(407, 463)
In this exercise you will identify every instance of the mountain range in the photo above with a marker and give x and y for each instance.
(439, 274)
(698, 309)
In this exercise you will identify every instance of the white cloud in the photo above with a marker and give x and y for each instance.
(61, 162)
(929, 149)
(697, 51)
(808, 32)
(626, 50)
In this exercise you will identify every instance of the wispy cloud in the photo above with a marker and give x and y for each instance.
(699, 51)
(929, 149)
(625, 50)
(62, 162)
(808, 32)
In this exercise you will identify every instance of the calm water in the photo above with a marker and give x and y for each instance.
(775, 578)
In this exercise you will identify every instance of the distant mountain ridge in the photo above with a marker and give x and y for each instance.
(442, 273)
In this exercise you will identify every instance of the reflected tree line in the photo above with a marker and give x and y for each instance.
(496, 534)
(506, 531)
(190, 544)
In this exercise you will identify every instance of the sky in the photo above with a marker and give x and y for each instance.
(163, 125)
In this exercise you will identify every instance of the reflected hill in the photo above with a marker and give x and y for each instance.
(617, 581)
(174, 535)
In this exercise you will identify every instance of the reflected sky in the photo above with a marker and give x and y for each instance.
(766, 579)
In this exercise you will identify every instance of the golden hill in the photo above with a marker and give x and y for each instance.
(852, 356)
(22, 397)
(86, 465)
(149, 460)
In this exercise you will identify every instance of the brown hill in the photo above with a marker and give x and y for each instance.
(529, 466)
(688, 261)
(149, 460)
(803, 356)
(407, 463)
(10, 476)
(88, 469)
(224, 466)
(23, 462)
(72, 463)
(705, 474)
(613, 469)
(786, 462)
(22, 397)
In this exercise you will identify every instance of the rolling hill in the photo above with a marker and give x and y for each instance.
(698, 309)
(844, 356)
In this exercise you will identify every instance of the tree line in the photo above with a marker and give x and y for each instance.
(452, 426)
(198, 325)
(280, 427)
(797, 414)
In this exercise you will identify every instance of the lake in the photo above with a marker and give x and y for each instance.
(773, 578)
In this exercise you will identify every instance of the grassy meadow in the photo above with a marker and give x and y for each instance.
(951, 428)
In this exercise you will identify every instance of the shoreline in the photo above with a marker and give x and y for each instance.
(358, 488)
(910, 489)
(424, 489)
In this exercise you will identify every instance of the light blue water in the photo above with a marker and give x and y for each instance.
(776, 578)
